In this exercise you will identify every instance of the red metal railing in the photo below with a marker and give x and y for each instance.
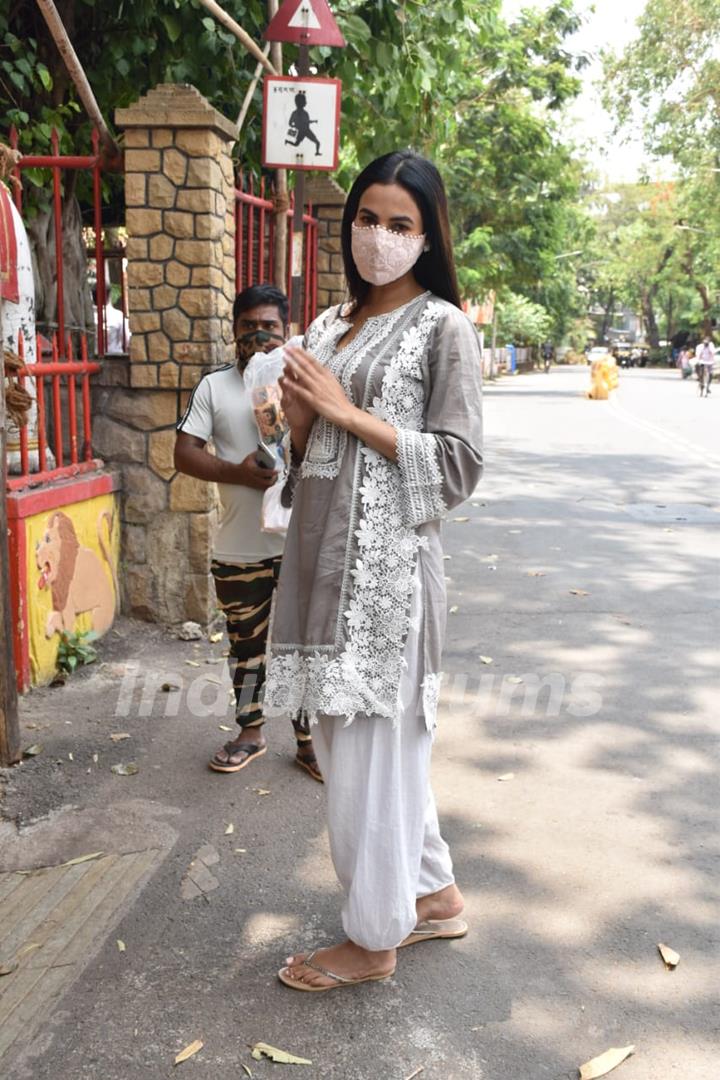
(255, 240)
(72, 435)
(56, 163)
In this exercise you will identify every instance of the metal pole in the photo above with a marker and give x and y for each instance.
(9, 727)
(280, 238)
(303, 68)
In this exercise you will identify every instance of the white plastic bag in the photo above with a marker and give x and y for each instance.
(261, 379)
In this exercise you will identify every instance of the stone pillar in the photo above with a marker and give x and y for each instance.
(328, 201)
(181, 225)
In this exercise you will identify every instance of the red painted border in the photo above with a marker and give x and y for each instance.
(22, 504)
(301, 79)
(17, 544)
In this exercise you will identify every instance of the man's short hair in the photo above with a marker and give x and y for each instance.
(261, 294)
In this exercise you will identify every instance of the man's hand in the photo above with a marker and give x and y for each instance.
(250, 474)
(192, 458)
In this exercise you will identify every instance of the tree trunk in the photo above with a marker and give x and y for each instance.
(607, 315)
(651, 326)
(78, 305)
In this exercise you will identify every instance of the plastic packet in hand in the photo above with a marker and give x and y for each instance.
(261, 379)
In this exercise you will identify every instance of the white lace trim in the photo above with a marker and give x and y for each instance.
(327, 442)
(423, 480)
(365, 676)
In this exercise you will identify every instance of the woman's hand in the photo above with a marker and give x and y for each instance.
(312, 387)
(300, 415)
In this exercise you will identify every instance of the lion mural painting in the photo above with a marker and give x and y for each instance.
(76, 577)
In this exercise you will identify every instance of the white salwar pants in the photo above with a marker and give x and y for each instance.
(385, 838)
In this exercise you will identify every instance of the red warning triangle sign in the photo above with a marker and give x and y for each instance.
(305, 22)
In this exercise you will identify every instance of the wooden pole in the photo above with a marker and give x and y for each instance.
(280, 244)
(9, 727)
(76, 73)
(242, 35)
(249, 92)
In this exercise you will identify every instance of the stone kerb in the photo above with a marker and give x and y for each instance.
(181, 273)
(328, 202)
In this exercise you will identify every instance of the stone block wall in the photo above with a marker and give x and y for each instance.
(328, 201)
(181, 273)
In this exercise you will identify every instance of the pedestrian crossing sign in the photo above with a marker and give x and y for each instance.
(301, 123)
(305, 22)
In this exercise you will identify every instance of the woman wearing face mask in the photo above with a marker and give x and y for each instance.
(384, 403)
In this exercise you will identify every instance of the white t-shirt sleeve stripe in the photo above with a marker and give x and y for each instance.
(197, 419)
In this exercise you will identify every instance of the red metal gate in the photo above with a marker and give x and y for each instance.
(255, 238)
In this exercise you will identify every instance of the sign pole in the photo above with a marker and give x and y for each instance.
(279, 264)
(9, 727)
(303, 69)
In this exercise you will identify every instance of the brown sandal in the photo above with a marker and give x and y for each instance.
(309, 762)
(232, 749)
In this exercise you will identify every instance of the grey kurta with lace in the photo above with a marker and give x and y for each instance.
(362, 525)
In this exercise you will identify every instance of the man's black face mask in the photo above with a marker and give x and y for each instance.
(256, 341)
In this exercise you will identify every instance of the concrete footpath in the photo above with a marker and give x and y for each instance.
(576, 772)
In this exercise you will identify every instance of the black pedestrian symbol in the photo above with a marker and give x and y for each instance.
(299, 125)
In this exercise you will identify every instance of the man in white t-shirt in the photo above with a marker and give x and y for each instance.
(246, 561)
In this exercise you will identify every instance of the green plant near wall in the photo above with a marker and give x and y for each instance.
(76, 650)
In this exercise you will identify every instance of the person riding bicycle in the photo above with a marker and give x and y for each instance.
(548, 354)
(704, 364)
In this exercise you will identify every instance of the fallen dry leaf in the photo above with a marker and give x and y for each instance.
(168, 687)
(9, 968)
(31, 947)
(420, 1069)
(507, 776)
(454, 609)
(447, 558)
(261, 791)
(241, 850)
(229, 830)
(262, 1049)
(83, 858)
(460, 519)
(125, 770)
(247, 1070)
(121, 945)
(486, 659)
(579, 592)
(215, 637)
(514, 679)
(34, 750)
(118, 736)
(95, 758)
(605, 1063)
(671, 959)
(189, 1051)
(192, 663)
(224, 727)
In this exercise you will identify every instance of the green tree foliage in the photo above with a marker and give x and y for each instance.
(666, 85)
(522, 321)
(454, 80)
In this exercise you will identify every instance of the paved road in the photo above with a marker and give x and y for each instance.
(587, 571)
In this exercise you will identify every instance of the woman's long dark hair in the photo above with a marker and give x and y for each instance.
(435, 269)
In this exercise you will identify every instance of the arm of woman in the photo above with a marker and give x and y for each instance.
(442, 465)
(309, 382)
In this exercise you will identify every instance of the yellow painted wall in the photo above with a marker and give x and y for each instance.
(90, 601)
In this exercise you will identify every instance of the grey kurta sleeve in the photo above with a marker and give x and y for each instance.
(442, 464)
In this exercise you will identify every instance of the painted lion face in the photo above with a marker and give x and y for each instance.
(55, 556)
(47, 556)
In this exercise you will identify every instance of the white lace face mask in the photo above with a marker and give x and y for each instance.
(381, 255)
